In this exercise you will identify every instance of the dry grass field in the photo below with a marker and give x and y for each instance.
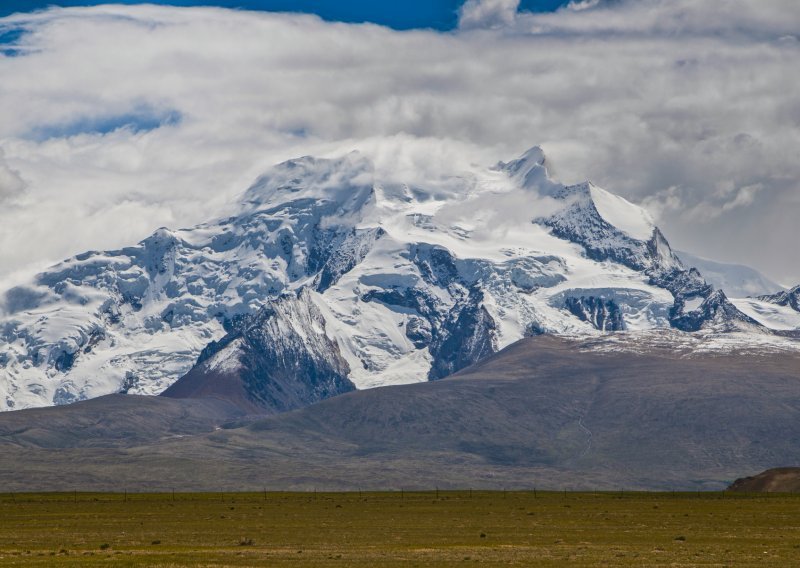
(400, 529)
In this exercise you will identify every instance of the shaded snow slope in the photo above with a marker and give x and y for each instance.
(410, 282)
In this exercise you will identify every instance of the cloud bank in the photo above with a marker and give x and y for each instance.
(10, 183)
(117, 120)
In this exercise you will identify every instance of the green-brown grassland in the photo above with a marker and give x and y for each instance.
(399, 529)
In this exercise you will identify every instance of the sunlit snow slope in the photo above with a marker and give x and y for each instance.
(737, 280)
(409, 282)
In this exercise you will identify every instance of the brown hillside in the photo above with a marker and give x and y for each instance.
(778, 480)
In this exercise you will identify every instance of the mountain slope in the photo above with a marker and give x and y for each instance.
(786, 298)
(737, 280)
(410, 282)
(545, 412)
(780, 311)
(270, 363)
(777, 480)
(114, 421)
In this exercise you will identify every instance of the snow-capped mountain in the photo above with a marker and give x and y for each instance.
(737, 280)
(786, 298)
(781, 310)
(364, 280)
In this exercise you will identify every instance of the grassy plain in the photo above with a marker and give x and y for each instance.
(399, 529)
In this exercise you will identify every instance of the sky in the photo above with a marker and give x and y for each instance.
(397, 14)
(117, 120)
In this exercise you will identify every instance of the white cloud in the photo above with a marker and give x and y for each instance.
(582, 4)
(664, 202)
(123, 119)
(744, 196)
(11, 183)
(488, 13)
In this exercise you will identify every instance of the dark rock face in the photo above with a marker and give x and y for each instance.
(436, 264)
(277, 360)
(420, 332)
(65, 357)
(465, 337)
(295, 366)
(790, 298)
(461, 334)
(63, 397)
(64, 361)
(716, 311)
(343, 253)
(604, 315)
(681, 282)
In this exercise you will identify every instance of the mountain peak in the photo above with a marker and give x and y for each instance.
(531, 158)
(530, 170)
(312, 178)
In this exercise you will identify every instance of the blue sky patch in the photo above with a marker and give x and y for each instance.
(9, 41)
(140, 120)
(398, 14)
